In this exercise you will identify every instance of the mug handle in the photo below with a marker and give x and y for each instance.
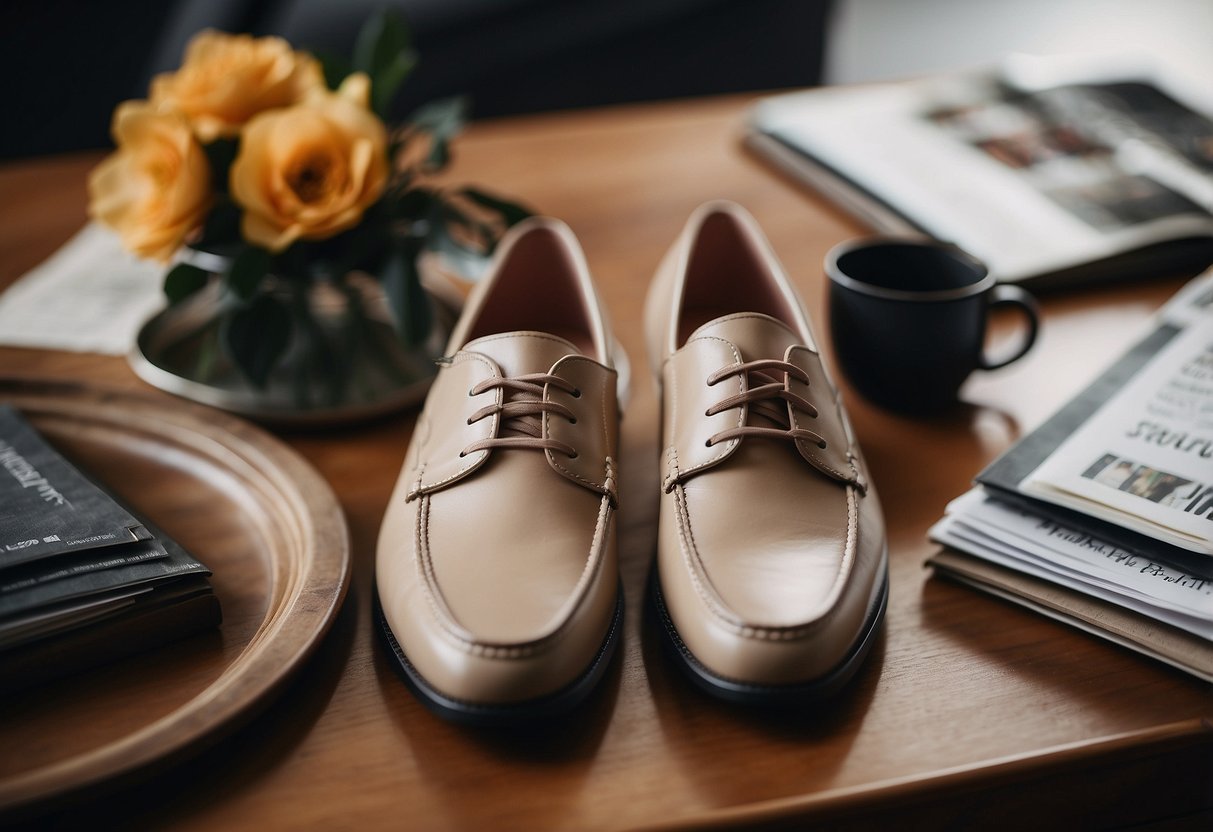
(1007, 295)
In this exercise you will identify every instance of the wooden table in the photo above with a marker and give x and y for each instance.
(969, 711)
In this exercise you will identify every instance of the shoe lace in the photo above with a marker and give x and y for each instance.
(522, 412)
(767, 391)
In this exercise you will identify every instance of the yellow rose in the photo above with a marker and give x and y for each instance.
(227, 79)
(156, 188)
(309, 171)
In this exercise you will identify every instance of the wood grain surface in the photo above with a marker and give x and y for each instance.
(969, 711)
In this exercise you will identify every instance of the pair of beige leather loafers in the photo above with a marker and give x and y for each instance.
(497, 578)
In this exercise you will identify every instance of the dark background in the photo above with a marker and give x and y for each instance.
(65, 65)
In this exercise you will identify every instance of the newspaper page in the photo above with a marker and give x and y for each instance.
(1144, 460)
(89, 296)
(1030, 542)
(1030, 181)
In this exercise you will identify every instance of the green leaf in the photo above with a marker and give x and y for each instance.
(439, 155)
(443, 118)
(334, 67)
(383, 51)
(386, 82)
(256, 336)
(511, 212)
(408, 301)
(182, 281)
(220, 154)
(441, 121)
(247, 271)
(382, 36)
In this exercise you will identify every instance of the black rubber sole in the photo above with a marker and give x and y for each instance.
(744, 693)
(481, 714)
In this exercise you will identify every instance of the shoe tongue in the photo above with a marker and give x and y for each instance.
(519, 353)
(755, 335)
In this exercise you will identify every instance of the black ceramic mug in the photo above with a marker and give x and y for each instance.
(908, 319)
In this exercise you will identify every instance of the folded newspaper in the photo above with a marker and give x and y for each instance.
(1144, 460)
(1103, 516)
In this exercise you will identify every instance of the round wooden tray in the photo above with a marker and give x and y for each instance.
(267, 525)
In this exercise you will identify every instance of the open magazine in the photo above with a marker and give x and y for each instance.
(1063, 182)
(1103, 515)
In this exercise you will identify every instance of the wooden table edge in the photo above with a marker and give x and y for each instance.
(981, 777)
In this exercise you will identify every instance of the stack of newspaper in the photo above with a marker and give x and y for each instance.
(82, 580)
(1103, 516)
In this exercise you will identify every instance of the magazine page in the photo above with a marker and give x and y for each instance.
(1031, 182)
(1144, 460)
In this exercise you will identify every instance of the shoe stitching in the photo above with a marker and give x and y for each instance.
(755, 316)
(548, 642)
(416, 489)
(527, 334)
(474, 459)
(442, 613)
(419, 440)
(605, 651)
(691, 558)
(593, 566)
(841, 421)
(445, 618)
(425, 565)
(854, 477)
(608, 480)
(859, 483)
(839, 474)
(852, 457)
(671, 477)
(741, 316)
(597, 486)
(602, 406)
(873, 615)
(727, 447)
(716, 606)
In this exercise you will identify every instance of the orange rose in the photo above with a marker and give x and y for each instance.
(227, 79)
(310, 171)
(156, 188)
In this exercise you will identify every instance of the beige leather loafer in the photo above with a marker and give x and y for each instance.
(771, 574)
(496, 569)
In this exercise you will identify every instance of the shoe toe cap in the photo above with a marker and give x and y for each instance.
(481, 636)
(778, 605)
